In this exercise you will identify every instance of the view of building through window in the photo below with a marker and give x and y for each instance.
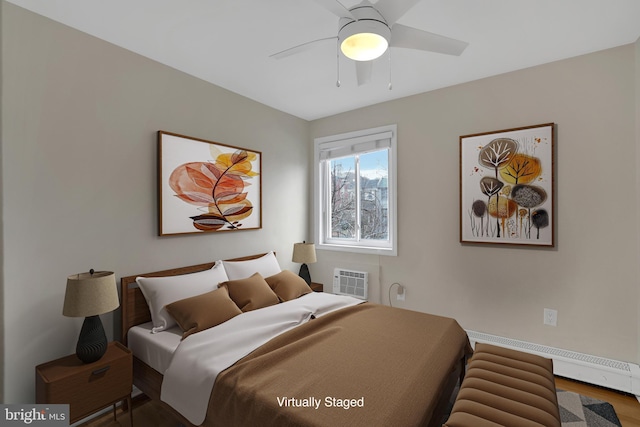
(359, 196)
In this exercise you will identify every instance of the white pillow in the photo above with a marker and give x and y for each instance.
(160, 291)
(266, 265)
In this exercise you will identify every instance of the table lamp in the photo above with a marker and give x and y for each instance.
(304, 253)
(89, 295)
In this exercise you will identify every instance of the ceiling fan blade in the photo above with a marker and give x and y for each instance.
(298, 49)
(392, 10)
(364, 70)
(413, 38)
(335, 7)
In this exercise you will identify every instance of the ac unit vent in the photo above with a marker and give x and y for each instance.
(352, 283)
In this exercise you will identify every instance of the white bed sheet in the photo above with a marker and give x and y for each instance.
(156, 350)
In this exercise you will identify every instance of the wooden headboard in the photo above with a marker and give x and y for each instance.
(134, 307)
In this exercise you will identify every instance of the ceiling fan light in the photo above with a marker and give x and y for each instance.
(364, 46)
(365, 39)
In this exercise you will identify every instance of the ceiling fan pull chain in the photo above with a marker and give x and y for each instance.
(338, 63)
(390, 85)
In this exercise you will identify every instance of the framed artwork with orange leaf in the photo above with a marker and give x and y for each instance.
(507, 186)
(207, 187)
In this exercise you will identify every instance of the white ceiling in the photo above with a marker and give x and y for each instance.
(228, 43)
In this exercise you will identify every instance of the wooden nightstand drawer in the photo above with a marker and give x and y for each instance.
(87, 388)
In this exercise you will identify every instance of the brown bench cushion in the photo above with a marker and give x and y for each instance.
(504, 387)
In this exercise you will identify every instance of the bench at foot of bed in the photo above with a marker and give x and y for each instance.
(508, 388)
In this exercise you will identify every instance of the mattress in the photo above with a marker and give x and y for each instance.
(156, 350)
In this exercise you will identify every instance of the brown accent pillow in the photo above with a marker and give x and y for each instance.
(251, 293)
(203, 311)
(288, 285)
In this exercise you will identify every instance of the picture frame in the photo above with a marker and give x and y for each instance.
(507, 188)
(207, 187)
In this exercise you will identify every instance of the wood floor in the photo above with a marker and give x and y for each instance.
(149, 414)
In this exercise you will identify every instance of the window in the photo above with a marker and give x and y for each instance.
(355, 191)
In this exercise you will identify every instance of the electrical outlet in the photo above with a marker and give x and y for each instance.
(550, 317)
(400, 294)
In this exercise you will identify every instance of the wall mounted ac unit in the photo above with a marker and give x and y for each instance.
(352, 283)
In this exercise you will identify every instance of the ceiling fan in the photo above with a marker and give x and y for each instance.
(367, 30)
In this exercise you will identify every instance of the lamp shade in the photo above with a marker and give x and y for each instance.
(90, 294)
(304, 253)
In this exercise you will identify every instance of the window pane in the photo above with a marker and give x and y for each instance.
(343, 197)
(374, 201)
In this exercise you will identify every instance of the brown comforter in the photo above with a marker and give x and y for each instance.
(368, 365)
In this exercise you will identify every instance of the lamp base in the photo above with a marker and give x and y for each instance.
(92, 343)
(304, 273)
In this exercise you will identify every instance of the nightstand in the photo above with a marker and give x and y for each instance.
(87, 388)
(317, 287)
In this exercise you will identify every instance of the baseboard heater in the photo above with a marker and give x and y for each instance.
(609, 373)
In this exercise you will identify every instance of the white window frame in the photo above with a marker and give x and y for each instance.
(354, 143)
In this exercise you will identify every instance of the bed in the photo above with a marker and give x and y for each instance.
(344, 362)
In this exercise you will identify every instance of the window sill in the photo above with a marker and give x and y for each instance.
(358, 249)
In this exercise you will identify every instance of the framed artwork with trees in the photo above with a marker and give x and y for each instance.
(507, 186)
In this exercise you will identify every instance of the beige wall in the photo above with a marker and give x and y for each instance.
(590, 277)
(79, 176)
